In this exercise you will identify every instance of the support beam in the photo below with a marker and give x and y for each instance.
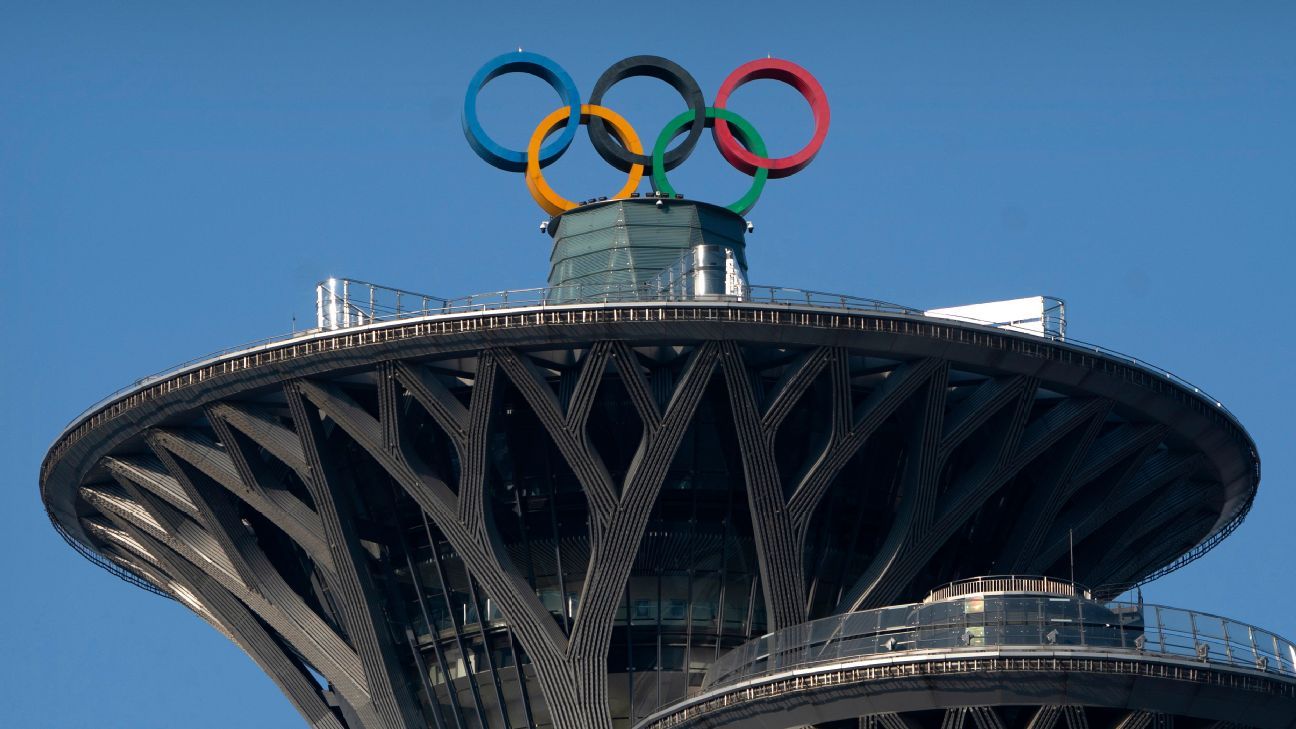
(1076, 717)
(1136, 719)
(986, 717)
(360, 604)
(1042, 505)
(256, 486)
(1138, 480)
(922, 444)
(572, 670)
(567, 428)
(1046, 717)
(309, 635)
(152, 475)
(781, 523)
(888, 720)
(1016, 447)
(287, 672)
(455, 512)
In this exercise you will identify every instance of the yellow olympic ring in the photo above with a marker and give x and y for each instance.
(552, 202)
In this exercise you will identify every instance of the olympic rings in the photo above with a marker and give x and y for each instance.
(736, 138)
(552, 202)
(659, 68)
(794, 76)
(528, 63)
(747, 134)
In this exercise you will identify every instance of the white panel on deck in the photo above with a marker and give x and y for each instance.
(1043, 316)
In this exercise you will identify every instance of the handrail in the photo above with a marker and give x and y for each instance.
(1021, 621)
(1008, 583)
(336, 308)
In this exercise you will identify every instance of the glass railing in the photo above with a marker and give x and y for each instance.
(1009, 621)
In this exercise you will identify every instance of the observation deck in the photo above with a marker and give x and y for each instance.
(355, 314)
(773, 424)
(1045, 647)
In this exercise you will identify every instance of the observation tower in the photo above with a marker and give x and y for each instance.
(652, 494)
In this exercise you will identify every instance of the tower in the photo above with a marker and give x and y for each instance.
(653, 494)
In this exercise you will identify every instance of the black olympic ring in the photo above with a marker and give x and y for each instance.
(656, 67)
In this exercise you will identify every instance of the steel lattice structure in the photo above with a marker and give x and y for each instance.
(561, 516)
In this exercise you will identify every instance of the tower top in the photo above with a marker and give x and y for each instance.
(640, 248)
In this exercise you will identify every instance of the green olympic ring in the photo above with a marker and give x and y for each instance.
(743, 130)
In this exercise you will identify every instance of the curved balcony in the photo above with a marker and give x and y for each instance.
(1022, 584)
(1017, 621)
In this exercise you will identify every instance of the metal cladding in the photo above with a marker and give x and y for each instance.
(735, 137)
(562, 516)
(619, 245)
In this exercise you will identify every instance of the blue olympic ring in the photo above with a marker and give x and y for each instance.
(536, 65)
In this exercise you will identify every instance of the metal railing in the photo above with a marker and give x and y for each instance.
(344, 302)
(1007, 583)
(703, 270)
(1020, 622)
(336, 307)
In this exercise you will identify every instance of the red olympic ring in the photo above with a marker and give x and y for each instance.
(792, 75)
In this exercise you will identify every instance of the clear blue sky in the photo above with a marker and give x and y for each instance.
(174, 177)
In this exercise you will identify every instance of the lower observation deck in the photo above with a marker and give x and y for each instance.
(1031, 656)
(510, 512)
